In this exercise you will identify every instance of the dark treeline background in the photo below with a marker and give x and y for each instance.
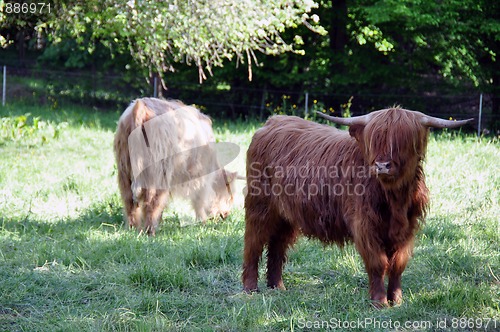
(432, 56)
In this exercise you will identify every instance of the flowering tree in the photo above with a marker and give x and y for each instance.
(196, 32)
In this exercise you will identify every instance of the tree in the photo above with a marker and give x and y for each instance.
(19, 23)
(456, 39)
(395, 48)
(160, 34)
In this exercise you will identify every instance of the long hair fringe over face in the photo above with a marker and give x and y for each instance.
(397, 138)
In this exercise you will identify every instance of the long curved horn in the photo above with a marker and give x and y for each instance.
(430, 121)
(362, 119)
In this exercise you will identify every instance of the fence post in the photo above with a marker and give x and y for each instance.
(480, 115)
(262, 104)
(155, 92)
(4, 85)
(307, 103)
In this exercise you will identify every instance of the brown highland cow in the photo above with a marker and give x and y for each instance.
(365, 185)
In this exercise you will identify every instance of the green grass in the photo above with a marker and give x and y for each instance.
(68, 264)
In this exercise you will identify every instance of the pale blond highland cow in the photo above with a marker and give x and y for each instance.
(166, 148)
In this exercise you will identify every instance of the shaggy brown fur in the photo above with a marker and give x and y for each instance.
(366, 186)
(181, 136)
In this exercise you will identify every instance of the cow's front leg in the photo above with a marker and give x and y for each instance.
(394, 291)
(376, 264)
(397, 265)
(377, 288)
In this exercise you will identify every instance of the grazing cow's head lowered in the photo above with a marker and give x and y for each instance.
(366, 186)
(393, 140)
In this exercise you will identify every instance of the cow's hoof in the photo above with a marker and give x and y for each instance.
(251, 290)
(380, 304)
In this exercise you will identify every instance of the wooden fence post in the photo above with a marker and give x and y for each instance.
(4, 85)
(306, 109)
(480, 115)
(155, 87)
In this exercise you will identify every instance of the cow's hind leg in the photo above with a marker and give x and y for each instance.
(132, 210)
(256, 237)
(154, 204)
(279, 242)
(131, 206)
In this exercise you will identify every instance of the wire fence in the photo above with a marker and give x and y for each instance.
(115, 91)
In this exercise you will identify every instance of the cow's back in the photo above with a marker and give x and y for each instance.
(292, 171)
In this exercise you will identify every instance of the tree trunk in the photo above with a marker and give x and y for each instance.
(155, 82)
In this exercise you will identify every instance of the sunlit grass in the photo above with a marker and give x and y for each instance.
(67, 262)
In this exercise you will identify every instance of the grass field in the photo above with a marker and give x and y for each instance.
(67, 263)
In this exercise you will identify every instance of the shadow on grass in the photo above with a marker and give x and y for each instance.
(101, 228)
(93, 265)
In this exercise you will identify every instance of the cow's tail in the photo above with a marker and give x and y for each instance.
(136, 114)
(122, 157)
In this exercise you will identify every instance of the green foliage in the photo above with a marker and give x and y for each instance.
(3, 41)
(394, 47)
(457, 37)
(160, 34)
(28, 130)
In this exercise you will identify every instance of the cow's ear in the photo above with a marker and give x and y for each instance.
(356, 131)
